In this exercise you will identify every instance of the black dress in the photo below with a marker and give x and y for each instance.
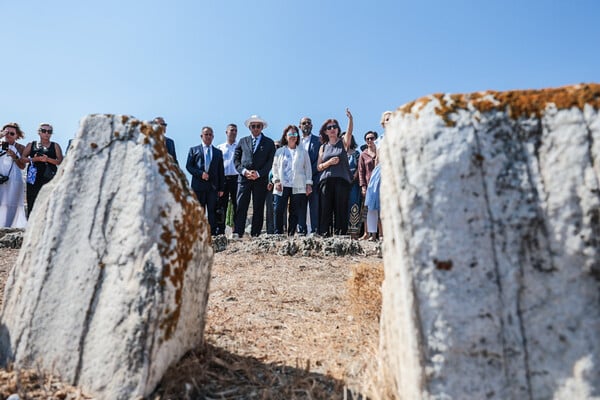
(45, 171)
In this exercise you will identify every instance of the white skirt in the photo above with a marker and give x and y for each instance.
(12, 194)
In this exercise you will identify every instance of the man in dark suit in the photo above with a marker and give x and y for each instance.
(253, 159)
(205, 164)
(169, 142)
(311, 144)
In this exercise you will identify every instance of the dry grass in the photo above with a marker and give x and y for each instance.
(279, 327)
(364, 290)
(35, 384)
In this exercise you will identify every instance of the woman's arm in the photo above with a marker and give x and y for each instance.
(54, 161)
(362, 178)
(59, 154)
(26, 153)
(348, 136)
(18, 161)
(275, 169)
(307, 169)
(322, 166)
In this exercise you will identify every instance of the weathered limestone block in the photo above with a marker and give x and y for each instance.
(491, 213)
(111, 284)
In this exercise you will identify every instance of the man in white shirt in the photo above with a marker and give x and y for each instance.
(231, 176)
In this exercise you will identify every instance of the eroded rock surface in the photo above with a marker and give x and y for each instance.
(491, 214)
(111, 284)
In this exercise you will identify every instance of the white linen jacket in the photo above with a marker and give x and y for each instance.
(301, 170)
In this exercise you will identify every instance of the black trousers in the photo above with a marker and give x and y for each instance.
(256, 189)
(208, 199)
(333, 196)
(230, 193)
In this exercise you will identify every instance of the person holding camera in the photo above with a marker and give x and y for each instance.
(45, 156)
(12, 205)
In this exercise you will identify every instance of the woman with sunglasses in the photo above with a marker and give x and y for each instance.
(46, 156)
(292, 177)
(334, 186)
(366, 164)
(12, 204)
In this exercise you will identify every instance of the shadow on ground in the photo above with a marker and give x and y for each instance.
(214, 373)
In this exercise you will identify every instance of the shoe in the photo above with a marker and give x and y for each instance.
(235, 236)
(372, 238)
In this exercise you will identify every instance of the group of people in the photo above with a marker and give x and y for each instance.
(41, 157)
(300, 177)
(323, 179)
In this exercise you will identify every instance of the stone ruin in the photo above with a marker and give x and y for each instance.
(491, 208)
(491, 213)
(111, 284)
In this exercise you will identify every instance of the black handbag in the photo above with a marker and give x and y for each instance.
(4, 178)
(49, 172)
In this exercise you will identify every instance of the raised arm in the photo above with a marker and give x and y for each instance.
(348, 136)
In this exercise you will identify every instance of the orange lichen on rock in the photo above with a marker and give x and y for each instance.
(178, 237)
(516, 103)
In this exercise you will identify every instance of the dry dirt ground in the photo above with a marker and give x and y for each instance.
(278, 327)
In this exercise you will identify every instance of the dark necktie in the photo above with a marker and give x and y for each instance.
(254, 140)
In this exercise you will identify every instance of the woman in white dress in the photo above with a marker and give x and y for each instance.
(12, 191)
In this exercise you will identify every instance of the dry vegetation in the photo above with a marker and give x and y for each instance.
(278, 327)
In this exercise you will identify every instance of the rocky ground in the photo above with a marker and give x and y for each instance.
(286, 320)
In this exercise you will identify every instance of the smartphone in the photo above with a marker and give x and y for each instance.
(4, 145)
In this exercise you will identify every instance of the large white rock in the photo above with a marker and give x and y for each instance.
(111, 284)
(491, 214)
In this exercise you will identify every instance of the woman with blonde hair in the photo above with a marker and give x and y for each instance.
(12, 203)
(46, 156)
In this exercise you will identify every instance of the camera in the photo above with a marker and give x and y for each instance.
(4, 145)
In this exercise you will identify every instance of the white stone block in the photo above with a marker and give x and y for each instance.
(491, 215)
(111, 284)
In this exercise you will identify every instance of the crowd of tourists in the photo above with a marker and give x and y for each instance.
(308, 184)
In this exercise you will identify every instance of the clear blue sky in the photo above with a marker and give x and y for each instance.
(201, 62)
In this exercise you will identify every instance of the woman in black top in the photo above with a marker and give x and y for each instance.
(46, 156)
(334, 185)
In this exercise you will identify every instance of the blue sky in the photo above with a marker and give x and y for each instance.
(214, 62)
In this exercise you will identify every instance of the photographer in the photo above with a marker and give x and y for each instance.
(45, 156)
(12, 210)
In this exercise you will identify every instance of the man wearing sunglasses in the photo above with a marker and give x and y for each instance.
(311, 144)
(253, 159)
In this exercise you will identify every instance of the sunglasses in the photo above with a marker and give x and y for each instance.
(292, 134)
(306, 123)
(163, 125)
(330, 127)
(48, 131)
(11, 133)
(255, 126)
(370, 138)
